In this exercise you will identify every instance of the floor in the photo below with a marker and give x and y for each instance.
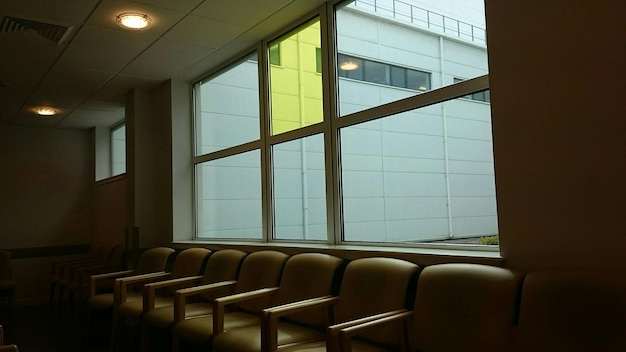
(46, 328)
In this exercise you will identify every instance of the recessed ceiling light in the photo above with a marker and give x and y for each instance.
(133, 20)
(46, 111)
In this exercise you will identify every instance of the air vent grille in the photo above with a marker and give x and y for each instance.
(52, 32)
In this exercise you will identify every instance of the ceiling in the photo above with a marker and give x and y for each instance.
(86, 70)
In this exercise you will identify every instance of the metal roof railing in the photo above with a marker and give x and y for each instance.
(410, 13)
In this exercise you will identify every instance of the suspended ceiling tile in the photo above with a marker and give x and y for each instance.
(102, 49)
(205, 32)
(165, 59)
(116, 89)
(176, 5)
(87, 118)
(240, 12)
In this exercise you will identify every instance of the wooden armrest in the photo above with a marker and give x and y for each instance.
(221, 302)
(121, 284)
(339, 336)
(9, 348)
(149, 289)
(180, 298)
(269, 318)
(93, 279)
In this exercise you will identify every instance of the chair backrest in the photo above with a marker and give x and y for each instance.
(153, 260)
(5, 265)
(259, 270)
(308, 275)
(189, 262)
(104, 252)
(222, 265)
(375, 285)
(573, 310)
(465, 307)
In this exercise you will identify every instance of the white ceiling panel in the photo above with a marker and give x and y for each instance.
(205, 32)
(183, 6)
(245, 13)
(87, 118)
(102, 49)
(165, 59)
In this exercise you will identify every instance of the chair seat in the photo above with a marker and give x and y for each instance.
(133, 308)
(199, 330)
(163, 317)
(7, 284)
(105, 300)
(321, 347)
(248, 339)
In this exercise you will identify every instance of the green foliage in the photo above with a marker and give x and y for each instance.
(490, 240)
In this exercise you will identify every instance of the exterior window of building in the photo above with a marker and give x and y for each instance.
(318, 60)
(118, 149)
(382, 152)
(275, 54)
(381, 73)
(478, 96)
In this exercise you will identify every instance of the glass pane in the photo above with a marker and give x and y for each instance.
(295, 85)
(414, 177)
(434, 41)
(227, 107)
(300, 189)
(228, 194)
(118, 150)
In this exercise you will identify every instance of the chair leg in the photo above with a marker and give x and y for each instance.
(145, 336)
(115, 331)
(175, 342)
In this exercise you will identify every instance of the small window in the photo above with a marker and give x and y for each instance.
(318, 60)
(118, 149)
(478, 96)
(275, 54)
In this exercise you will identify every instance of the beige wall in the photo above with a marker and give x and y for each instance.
(45, 199)
(557, 81)
(149, 166)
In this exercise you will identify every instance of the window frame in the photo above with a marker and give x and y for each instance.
(329, 127)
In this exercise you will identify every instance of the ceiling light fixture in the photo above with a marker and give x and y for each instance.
(45, 111)
(133, 20)
(349, 65)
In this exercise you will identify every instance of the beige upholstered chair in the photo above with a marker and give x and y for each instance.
(259, 270)
(370, 287)
(222, 267)
(7, 283)
(573, 310)
(101, 260)
(57, 268)
(3, 347)
(305, 276)
(101, 296)
(458, 307)
(78, 285)
(187, 265)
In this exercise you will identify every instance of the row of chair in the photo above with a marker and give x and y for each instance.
(6, 348)
(231, 301)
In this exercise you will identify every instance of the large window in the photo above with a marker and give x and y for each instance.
(385, 149)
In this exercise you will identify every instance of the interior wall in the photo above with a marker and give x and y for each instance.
(45, 202)
(557, 85)
(149, 175)
(109, 210)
